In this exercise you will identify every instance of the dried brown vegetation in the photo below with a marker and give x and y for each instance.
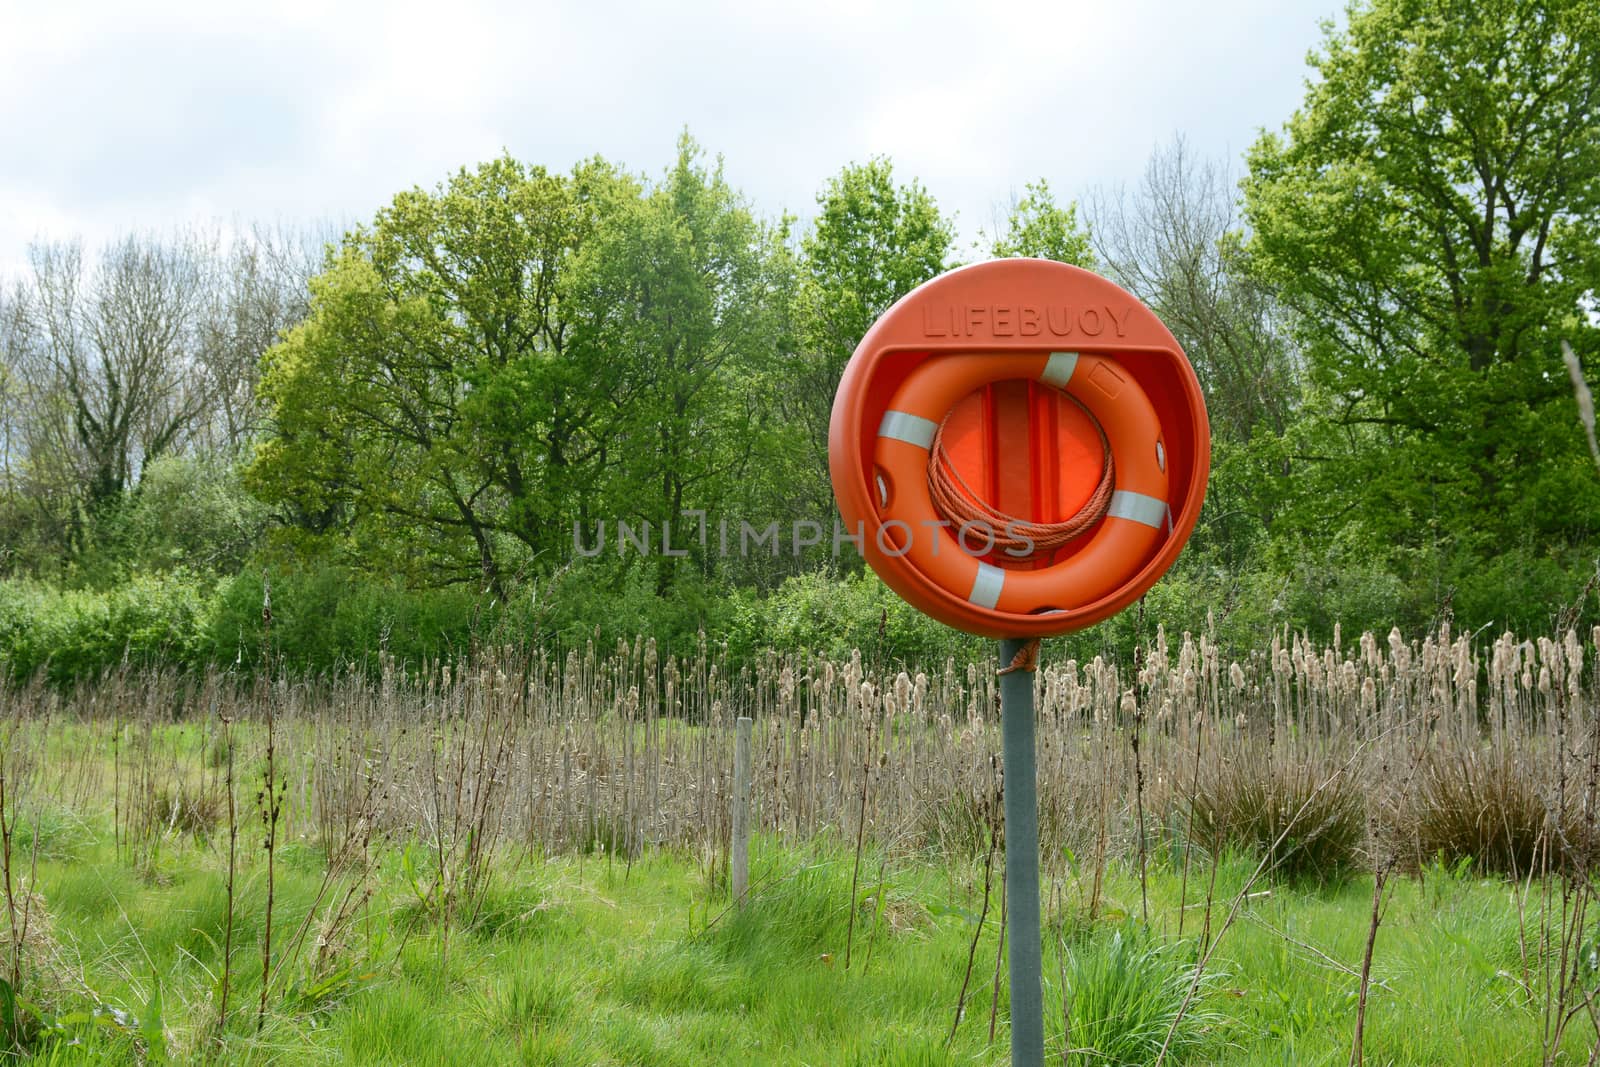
(1446, 748)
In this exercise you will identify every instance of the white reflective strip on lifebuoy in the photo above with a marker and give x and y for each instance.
(1136, 507)
(912, 429)
(1058, 369)
(987, 585)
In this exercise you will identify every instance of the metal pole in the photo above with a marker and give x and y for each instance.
(1022, 860)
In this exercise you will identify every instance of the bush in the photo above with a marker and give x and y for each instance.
(834, 615)
(328, 618)
(191, 511)
(1346, 587)
(1249, 799)
(75, 634)
(1488, 806)
(606, 602)
(1523, 590)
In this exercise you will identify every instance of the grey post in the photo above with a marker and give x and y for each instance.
(739, 861)
(1022, 861)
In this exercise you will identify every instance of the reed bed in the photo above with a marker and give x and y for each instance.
(1299, 760)
(629, 749)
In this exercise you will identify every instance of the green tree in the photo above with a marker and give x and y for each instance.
(520, 352)
(1432, 215)
(677, 298)
(430, 411)
(873, 241)
(1038, 227)
(191, 512)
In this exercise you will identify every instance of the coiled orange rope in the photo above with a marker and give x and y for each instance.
(955, 501)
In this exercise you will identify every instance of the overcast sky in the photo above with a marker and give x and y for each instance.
(152, 115)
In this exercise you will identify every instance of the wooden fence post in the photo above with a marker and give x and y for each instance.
(739, 861)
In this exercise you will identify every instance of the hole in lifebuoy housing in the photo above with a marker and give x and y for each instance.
(880, 482)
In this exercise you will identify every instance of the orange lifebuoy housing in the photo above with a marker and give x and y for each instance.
(1135, 522)
(992, 352)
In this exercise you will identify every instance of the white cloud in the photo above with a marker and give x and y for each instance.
(116, 117)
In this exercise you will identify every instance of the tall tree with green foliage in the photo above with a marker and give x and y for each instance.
(517, 352)
(676, 298)
(1432, 216)
(431, 412)
(873, 241)
(1037, 226)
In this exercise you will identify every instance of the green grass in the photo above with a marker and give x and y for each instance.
(597, 965)
(577, 960)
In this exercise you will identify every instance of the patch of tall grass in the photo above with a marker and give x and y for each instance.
(1124, 991)
(1305, 817)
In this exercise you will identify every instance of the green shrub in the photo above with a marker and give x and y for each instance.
(1522, 590)
(328, 618)
(191, 511)
(1249, 799)
(1346, 588)
(1489, 807)
(77, 633)
(834, 615)
(606, 602)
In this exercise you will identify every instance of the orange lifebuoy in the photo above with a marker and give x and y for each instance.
(1135, 522)
(1019, 447)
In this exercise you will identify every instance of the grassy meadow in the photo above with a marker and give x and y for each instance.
(1247, 859)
